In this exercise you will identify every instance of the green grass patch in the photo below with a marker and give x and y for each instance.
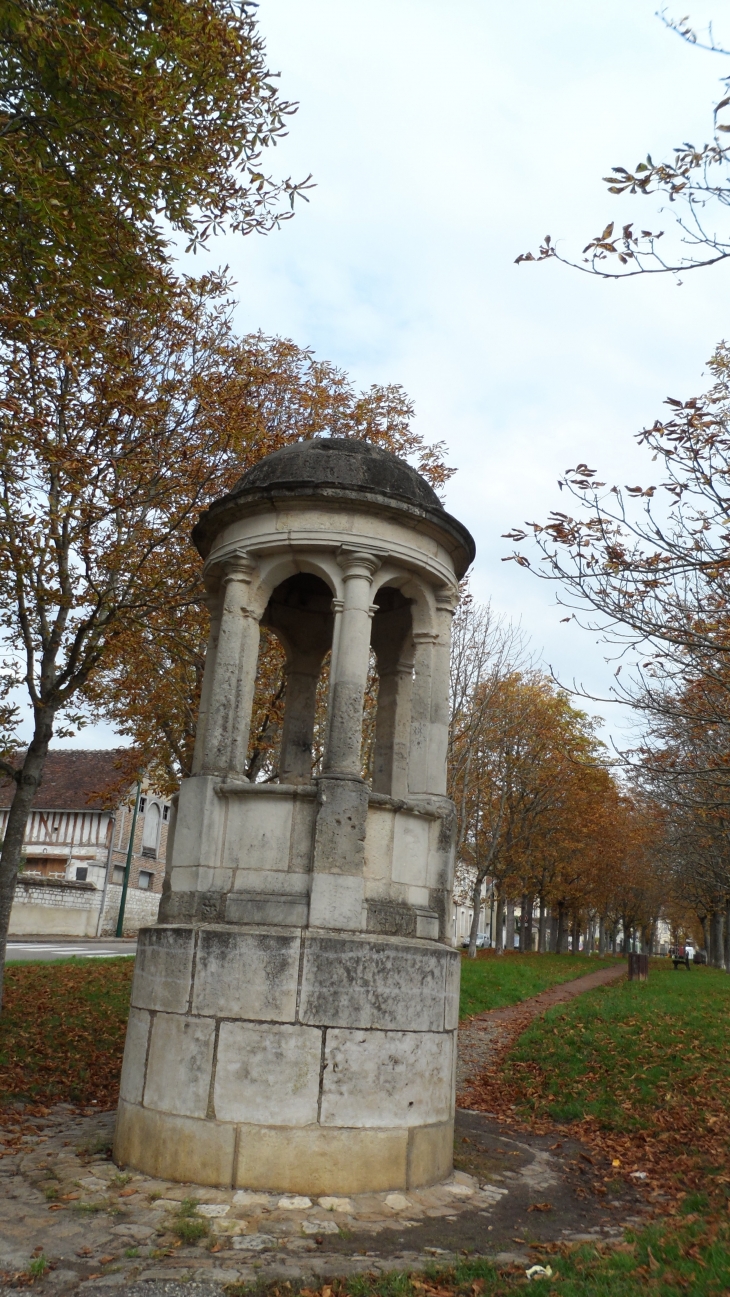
(188, 1226)
(62, 1031)
(691, 1260)
(628, 1053)
(492, 981)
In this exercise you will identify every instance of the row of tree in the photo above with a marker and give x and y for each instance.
(542, 818)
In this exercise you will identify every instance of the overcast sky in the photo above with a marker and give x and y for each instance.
(444, 140)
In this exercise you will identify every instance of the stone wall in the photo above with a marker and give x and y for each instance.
(61, 908)
(140, 910)
(44, 906)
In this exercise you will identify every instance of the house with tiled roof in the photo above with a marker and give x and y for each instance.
(76, 846)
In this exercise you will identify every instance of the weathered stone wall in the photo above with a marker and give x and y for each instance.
(54, 908)
(61, 908)
(141, 908)
(290, 1060)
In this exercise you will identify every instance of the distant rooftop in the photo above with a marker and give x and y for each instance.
(74, 779)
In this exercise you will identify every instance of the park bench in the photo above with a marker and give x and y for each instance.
(681, 955)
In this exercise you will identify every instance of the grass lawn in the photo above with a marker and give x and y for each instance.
(62, 1031)
(639, 1070)
(491, 981)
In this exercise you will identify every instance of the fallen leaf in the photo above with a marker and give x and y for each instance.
(540, 1206)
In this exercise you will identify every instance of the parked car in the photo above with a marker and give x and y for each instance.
(482, 941)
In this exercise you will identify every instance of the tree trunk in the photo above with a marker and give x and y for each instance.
(727, 934)
(717, 956)
(601, 936)
(553, 933)
(12, 849)
(476, 896)
(528, 921)
(574, 935)
(498, 938)
(542, 922)
(704, 920)
(523, 924)
(562, 937)
(510, 934)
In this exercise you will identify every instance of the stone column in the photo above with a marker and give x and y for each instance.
(234, 677)
(423, 644)
(438, 734)
(392, 729)
(337, 877)
(302, 676)
(350, 666)
(214, 602)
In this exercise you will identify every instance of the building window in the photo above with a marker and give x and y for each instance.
(145, 879)
(151, 833)
(82, 873)
(165, 813)
(142, 804)
(118, 876)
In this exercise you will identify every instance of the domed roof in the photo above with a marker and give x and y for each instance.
(340, 461)
(333, 467)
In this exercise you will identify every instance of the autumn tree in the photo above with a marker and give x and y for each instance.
(517, 784)
(113, 117)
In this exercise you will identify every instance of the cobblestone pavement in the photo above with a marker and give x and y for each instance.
(63, 1200)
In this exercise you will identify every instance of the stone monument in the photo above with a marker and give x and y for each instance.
(294, 1009)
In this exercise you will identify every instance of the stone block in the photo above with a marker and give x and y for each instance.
(336, 901)
(453, 984)
(198, 824)
(302, 835)
(379, 842)
(180, 1065)
(387, 1078)
(361, 981)
(427, 924)
(313, 1161)
(410, 849)
(131, 1086)
(163, 969)
(246, 974)
(258, 832)
(430, 1153)
(267, 1074)
(200, 878)
(170, 1147)
(261, 907)
(339, 836)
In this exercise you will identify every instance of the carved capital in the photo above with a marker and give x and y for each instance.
(238, 568)
(358, 563)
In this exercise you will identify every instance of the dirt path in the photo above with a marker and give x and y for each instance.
(481, 1035)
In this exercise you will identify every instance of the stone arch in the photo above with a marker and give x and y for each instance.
(392, 642)
(299, 612)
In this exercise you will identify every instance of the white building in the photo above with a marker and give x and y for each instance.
(76, 839)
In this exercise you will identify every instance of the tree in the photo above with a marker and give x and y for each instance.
(112, 115)
(106, 455)
(521, 774)
(696, 182)
(658, 579)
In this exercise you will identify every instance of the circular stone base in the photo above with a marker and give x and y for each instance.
(309, 1160)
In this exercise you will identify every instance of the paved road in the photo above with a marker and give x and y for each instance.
(48, 948)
